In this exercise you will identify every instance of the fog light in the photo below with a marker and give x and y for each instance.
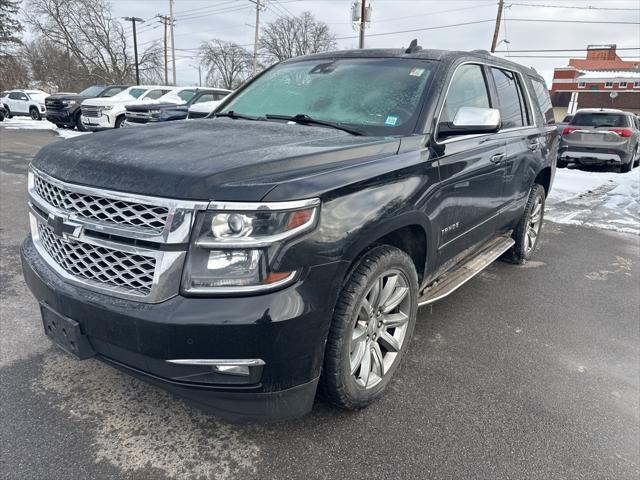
(241, 370)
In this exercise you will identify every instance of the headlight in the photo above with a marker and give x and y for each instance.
(68, 102)
(232, 245)
(107, 107)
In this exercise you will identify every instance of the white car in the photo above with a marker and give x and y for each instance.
(25, 102)
(207, 103)
(104, 113)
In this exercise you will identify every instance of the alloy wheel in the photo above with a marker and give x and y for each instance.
(533, 227)
(380, 328)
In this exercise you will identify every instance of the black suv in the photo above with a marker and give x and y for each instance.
(242, 260)
(64, 109)
(173, 106)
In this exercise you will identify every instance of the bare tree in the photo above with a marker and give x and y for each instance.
(289, 37)
(89, 34)
(10, 26)
(228, 64)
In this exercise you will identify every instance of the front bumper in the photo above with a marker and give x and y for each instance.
(94, 124)
(286, 329)
(59, 117)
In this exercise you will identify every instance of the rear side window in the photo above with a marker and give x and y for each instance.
(205, 97)
(513, 111)
(597, 119)
(468, 88)
(155, 94)
(110, 92)
(542, 94)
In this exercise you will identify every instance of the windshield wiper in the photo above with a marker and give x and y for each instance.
(307, 120)
(232, 114)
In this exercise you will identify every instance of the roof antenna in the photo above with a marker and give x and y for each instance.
(413, 47)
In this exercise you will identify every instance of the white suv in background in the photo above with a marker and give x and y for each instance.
(25, 102)
(105, 113)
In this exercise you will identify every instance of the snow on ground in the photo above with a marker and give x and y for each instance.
(29, 124)
(596, 197)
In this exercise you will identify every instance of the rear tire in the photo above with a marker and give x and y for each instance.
(562, 163)
(527, 234)
(371, 328)
(627, 166)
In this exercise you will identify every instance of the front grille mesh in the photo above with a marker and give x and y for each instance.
(90, 111)
(102, 208)
(106, 266)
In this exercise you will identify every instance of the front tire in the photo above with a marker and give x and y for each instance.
(527, 233)
(371, 329)
(34, 114)
(119, 122)
(79, 125)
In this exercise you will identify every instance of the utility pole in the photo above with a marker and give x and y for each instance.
(256, 36)
(133, 21)
(199, 75)
(497, 28)
(363, 19)
(165, 21)
(173, 43)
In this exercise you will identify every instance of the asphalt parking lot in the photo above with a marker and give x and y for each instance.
(525, 372)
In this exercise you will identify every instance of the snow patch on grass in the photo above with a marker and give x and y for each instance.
(26, 123)
(596, 198)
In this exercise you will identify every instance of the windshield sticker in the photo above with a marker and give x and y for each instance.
(391, 120)
(416, 72)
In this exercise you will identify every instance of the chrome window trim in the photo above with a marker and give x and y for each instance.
(177, 229)
(465, 137)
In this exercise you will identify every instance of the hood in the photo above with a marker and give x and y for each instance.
(205, 107)
(221, 159)
(146, 106)
(67, 96)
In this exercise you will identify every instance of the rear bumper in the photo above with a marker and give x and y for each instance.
(595, 156)
(286, 329)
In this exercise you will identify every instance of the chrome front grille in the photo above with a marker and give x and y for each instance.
(102, 208)
(90, 111)
(105, 266)
(126, 245)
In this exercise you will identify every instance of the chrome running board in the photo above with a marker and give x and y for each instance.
(454, 279)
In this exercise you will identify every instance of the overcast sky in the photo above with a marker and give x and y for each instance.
(233, 20)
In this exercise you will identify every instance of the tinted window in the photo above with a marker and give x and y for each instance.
(93, 91)
(512, 106)
(17, 96)
(136, 92)
(186, 95)
(467, 89)
(542, 94)
(110, 92)
(567, 119)
(155, 94)
(205, 97)
(599, 120)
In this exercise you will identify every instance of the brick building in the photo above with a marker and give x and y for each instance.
(602, 79)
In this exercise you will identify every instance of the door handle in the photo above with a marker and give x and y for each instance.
(497, 158)
(533, 146)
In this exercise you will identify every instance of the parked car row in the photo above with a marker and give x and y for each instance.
(102, 107)
(599, 136)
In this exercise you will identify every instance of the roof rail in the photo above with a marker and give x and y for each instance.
(480, 50)
(413, 47)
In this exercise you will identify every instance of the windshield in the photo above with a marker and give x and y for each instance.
(129, 93)
(599, 120)
(380, 96)
(180, 97)
(93, 91)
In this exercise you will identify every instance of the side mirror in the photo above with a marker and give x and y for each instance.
(471, 120)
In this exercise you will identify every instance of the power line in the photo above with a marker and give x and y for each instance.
(418, 29)
(588, 7)
(562, 50)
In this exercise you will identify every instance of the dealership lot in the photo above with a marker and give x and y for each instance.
(525, 372)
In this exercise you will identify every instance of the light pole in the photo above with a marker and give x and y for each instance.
(133, 21)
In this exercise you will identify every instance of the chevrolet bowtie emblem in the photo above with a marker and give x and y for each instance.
(64, 228)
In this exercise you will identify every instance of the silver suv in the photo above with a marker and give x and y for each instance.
(601, 137)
